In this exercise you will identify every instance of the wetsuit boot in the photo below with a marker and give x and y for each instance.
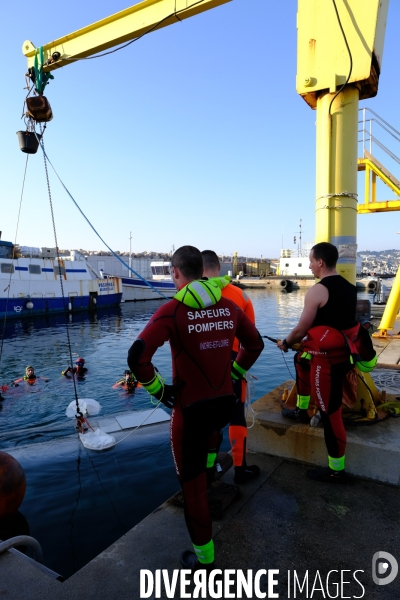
(328, 475)
(334, 473)
(297, 414)
(201, 558)
(245, 472)
(300, 413)
(222, 464)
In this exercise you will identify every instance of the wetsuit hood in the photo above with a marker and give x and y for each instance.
(202, 293)
(26, 376)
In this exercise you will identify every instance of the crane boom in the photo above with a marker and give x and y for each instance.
(116, 29)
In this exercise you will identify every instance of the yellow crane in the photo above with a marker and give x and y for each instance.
(339, 56)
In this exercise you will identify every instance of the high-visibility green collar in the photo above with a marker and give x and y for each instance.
(222, 282)
(202, 293)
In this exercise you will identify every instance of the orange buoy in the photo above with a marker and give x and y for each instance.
(12, 484)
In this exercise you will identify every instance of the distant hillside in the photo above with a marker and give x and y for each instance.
(380, 261)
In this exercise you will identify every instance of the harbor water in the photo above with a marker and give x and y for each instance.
(78, 502)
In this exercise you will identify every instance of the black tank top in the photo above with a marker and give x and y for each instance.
(340, 310)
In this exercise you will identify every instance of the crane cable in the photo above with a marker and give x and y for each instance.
(173, 14)
(79, 414)
(8, 288)
(94, 229)
(350, 56)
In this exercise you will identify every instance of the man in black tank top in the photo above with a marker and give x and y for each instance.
(324, 358)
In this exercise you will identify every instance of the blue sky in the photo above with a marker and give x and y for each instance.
(193, 135)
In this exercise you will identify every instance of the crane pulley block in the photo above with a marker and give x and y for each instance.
(39, 109)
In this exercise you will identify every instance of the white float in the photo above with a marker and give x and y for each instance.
(97, 440)
(87, 406)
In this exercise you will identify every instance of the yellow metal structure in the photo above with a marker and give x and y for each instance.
(368, 396)
(365, 406)
(235, 264)
(372, 169)
(322, 57)
(336, 176)
(391, 309)
(325, 63)
(117, 29)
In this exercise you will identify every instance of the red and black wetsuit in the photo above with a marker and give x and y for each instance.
(324, 359)
(201, 344)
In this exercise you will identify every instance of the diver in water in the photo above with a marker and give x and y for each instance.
(29, 377)
(127, 382)
(79, 370)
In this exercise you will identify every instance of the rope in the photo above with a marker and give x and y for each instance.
(78, 410)
(140, 424)
(12, 260)
(95, 231)
(390, 380)
(287, 366)
(250, 393)
(71, 519)
(339, 195)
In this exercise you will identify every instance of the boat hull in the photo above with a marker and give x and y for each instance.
(17, 307)
(134, 290)
(32, 286)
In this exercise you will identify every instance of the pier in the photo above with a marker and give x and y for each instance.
(281, 520)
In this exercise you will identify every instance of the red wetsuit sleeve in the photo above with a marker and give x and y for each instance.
(250, 340)
(240, 299)
(153, 336)
(249, 310)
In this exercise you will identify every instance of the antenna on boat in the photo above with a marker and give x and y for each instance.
(130, 253)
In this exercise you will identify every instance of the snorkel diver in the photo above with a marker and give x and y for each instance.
(79, 370)
(29, 377)
(127, 382)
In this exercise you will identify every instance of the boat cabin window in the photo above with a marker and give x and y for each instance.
(300, 265)
(7, 268)
(35, 269)
(286, 264)
(162, 270)
(6, 251)
(58, 269)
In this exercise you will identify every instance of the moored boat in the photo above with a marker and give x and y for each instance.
(137, 289)
(156, 282)
(30, 284)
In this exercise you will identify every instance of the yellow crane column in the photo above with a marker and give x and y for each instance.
(336, 175)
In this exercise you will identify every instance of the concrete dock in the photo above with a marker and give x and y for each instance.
(388, 351)
(318, 533)
(289, 283)
(319, 537)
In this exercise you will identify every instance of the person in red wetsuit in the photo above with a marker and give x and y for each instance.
(238, 425)
(324, 358)
(200, 326)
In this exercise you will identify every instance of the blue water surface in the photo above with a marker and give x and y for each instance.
(37, 413)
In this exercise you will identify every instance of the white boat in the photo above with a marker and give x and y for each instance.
(156, 277)
(134, 289)
(30, 284)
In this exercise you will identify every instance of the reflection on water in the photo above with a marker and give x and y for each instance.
(77, 502)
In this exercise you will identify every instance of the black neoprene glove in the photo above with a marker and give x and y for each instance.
(167, 393)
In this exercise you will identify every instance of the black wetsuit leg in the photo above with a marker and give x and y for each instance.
(191, 431)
